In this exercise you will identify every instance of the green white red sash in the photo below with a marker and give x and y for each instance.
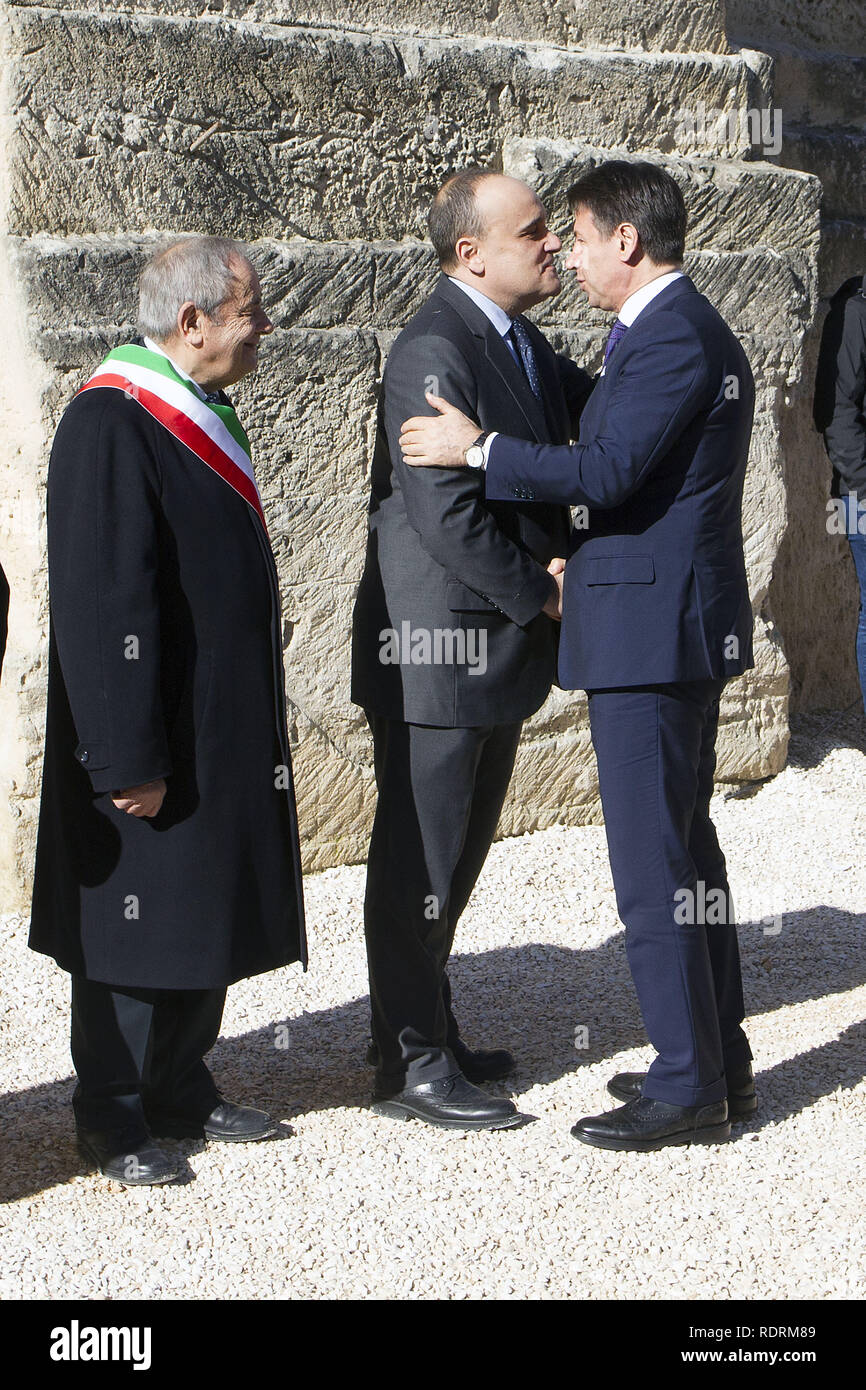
(210, 430)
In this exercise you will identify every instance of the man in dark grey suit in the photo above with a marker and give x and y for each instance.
(455, 631)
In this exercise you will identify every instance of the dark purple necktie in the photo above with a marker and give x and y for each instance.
(613, 338)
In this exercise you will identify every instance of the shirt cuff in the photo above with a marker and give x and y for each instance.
(485, 448)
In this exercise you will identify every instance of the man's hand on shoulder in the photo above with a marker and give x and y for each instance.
(144, 800)
(438, 441)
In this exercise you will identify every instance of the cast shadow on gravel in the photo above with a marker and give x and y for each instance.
(814, 736)
(532, 999)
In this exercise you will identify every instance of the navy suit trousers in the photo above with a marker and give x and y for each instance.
(655, 747)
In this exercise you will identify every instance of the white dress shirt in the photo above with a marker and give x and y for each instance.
(497, 315)
(638, 301)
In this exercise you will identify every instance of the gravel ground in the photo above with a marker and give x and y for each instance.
(345, 1204)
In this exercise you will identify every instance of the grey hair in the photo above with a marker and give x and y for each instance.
(199, 268)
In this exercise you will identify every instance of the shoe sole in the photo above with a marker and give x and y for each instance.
(125, 1182)
(717, 1134)
(170, 1131)
(242, 1138)
(396, 1111)
(741, 1111)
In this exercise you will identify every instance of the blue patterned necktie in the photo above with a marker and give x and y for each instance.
(613, 338)
(527, 356)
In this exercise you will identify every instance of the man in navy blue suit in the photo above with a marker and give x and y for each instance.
(656, 617)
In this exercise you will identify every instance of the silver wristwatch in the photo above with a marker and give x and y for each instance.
(474, 455)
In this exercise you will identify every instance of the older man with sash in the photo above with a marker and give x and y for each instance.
(167, 862)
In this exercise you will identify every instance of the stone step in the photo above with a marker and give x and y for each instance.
(831, 26)
(310, 413)
(838, 158)
(643, 24)
(311, 406)
(74, 286)
(321, 134)
(732, 205)
(76, 282)
(820, 89)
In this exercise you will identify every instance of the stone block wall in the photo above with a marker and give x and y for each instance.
(818, 53)
(327, 140)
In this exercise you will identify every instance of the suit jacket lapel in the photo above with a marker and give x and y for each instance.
(557, 423)
(513, 376)
(592, 415)
(499, 357)
(593, 411)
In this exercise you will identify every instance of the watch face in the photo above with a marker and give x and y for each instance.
(475, 456)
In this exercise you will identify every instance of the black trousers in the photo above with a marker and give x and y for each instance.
(440, 795)
(656, 752)
(141, 1050)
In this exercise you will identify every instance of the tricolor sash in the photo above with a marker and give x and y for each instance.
(210, 430)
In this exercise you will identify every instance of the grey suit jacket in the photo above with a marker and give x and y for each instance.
(448, 625)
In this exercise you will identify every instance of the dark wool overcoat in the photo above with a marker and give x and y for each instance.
(165, 661)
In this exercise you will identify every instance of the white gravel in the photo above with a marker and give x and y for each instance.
(346, 1204)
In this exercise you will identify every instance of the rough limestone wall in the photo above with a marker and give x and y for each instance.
(818, 51)
(821, 26)
(328, 144)
(642, 24)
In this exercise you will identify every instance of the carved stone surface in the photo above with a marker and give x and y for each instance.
(329, 142)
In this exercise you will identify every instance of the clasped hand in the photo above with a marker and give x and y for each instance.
(143, 800)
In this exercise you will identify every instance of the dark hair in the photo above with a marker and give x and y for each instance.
(454, 213)
(640, 193)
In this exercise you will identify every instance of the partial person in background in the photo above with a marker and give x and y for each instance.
(840, 415)
(167, 863)
(4, 615)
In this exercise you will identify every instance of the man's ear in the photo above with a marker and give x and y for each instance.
(629, 242)
(468, 254)
(189, 324)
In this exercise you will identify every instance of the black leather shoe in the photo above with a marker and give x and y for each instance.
(476, 1066)
(644, 1125)
(451, 1103)
(742, 1100)
(231, 1124)
(128, 1157)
